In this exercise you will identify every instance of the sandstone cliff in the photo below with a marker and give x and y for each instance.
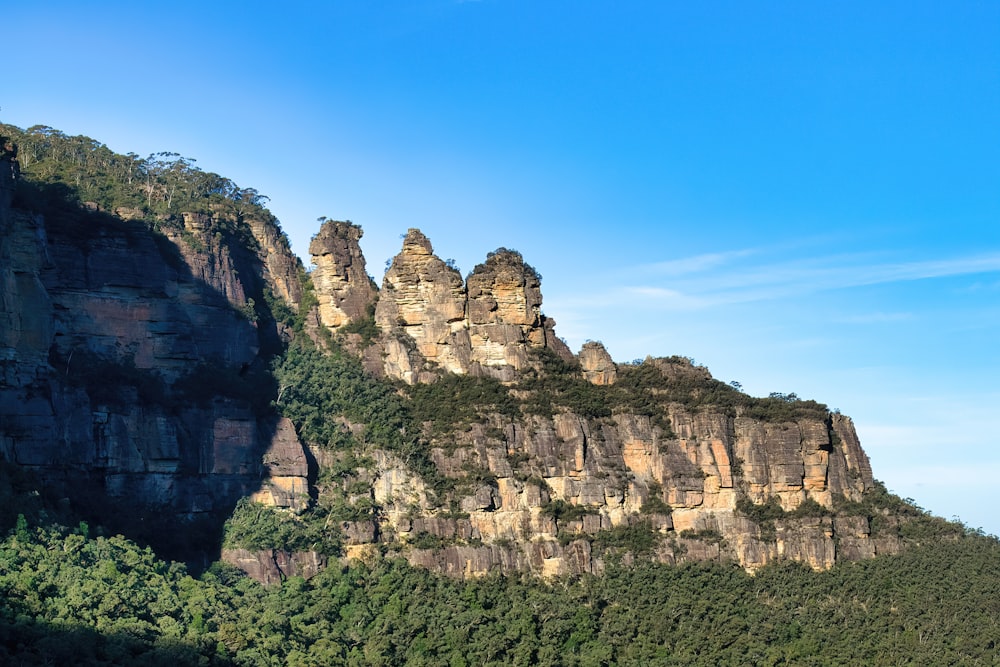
(343, 288)
(130, 364)
(135, 359)
(562, 494)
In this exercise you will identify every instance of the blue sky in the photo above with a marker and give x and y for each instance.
(805, 197)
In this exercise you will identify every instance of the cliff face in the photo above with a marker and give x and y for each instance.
(342, 285)
(561, 494)
(129, 360)
(135, 375)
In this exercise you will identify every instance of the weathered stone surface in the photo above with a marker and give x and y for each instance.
(99, 321)
(286, 469)
(279, 265)
(536, 493)
(272, 566)
(598, 367)
(342, 285)
(432, 322)
(422, 309)
(612, 469)
(505, 314)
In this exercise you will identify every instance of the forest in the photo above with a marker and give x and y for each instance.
(73, 592)
(72, 595)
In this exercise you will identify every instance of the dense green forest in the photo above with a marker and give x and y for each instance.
(71, 593)
(70, 596)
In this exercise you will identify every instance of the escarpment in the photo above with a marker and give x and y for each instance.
(571, 460)
(154, 372)
(132, 378)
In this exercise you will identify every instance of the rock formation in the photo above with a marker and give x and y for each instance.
(421, 310)
(558, 486)
(343, 288)
(505, 315)
(598, 367)
(134, 368)
(433, 322)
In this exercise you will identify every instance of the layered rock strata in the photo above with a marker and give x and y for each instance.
(120, 349)
(343, 288)
(558, 492)
(433, 321)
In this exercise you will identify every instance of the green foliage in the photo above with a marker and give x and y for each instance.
(558, 383)
(654, 503)
(695, 389)
(364, 327)
(708, 535)
(425, 540)
(69, 599)
(256, 527)
(764, 512)
(320, 391)
(456, 400)
(637, 538)
(159, 186)
(562, 511)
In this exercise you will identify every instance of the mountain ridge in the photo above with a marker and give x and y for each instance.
(156, 344)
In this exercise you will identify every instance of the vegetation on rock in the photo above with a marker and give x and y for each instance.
(77, 594)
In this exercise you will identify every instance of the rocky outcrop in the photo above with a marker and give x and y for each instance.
(286, 469)
(280, 268)
(343, 288)
(505, 315)
(432, 322)
(133, 367)
(421, 310)
(597, 365)
(272, 566)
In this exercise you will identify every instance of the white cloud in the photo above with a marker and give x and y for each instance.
(696, 264)
(726, 284)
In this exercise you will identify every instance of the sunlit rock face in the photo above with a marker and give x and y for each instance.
(682, 479)
(433, 321)
(597, 366)
(505, 314)
(343, 288)
(118, 347)
(421, 311)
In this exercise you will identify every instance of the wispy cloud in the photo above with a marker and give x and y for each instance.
(874, 318)
(725, 278)
(696, 264)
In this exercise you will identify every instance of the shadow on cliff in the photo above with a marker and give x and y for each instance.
(199, 483)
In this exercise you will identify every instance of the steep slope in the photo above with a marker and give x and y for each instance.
(551, 463)
(163, 351)
(131, 362)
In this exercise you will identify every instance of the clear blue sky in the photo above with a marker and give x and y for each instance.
(805, 197)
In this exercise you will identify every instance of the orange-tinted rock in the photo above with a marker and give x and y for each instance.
(343, 288)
